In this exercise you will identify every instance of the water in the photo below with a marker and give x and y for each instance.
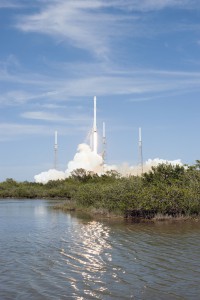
(47, 254)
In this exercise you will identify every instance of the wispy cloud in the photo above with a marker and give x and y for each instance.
(52, 106)
(14, 130)
(53, 117)
(19, 97)
(152, 5)
(120, 82)
(91, 24)
(9, 4)
(44, 116)
(76, 22)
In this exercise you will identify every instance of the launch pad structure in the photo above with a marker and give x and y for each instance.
(94, 142)
(94, 135)
(104, 143)
(56, 151)
(140, 151)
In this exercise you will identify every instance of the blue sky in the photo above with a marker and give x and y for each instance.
(141, 58)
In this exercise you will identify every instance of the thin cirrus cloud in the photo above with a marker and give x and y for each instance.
(44, 116)
(12, 130)
(53, 117)
(124, 83)
(19, 97)
(150, 5)
(9, 4)
(72, 21)
(85, 24)
(91, 24)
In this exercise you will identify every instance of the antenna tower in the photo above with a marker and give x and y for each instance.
(55, 150)
(140, 151)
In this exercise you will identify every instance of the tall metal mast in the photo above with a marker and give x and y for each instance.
(140, 150)
(55, 150)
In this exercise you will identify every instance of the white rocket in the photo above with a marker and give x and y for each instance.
(55, 150)
(95, 126)
(56, 138)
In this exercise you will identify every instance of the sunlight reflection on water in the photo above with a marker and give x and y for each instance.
(85, 254)
(46, 254)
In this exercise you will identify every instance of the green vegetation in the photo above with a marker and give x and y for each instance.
(166, 190)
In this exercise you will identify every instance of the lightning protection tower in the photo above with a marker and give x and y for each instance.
(140, 151)
(104, 143)
(55, 150)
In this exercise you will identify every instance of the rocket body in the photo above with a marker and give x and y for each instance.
(56, 137)
(95, 127)
(104, 130)
(95, 114)
(55, 150)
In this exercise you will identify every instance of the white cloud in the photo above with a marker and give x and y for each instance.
(53, 106)
(11, 130)
(152, 5)
(53, 117)
(77, 22)
(40, 115)
(8, 4)
(13, 97)
(138, 82)
(19, 97)
(91, 24)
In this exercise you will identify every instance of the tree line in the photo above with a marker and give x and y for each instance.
(166, 189)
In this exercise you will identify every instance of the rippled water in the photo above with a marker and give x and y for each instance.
(46, 254)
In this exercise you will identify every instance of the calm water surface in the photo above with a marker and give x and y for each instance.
(46, 254)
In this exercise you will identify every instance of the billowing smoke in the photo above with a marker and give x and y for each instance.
(87, 159)
(90, 161)
(158, 161)
(52, 174)
(127, 170)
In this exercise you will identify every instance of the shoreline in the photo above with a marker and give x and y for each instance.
(100, 213)
(70, 206)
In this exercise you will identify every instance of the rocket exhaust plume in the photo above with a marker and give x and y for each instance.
(95, 127)
(87, 158)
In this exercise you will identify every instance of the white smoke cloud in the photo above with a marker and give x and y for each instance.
(157, 161)
(52, 174)
(86, 159)
(127, 170)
